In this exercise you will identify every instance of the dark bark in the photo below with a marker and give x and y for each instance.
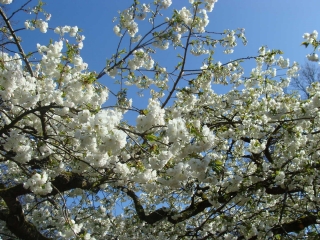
(16, 41)
(295, 226)
(14, 216)
(15, 219)
(163, 213)
(191, 211)
(279, 190)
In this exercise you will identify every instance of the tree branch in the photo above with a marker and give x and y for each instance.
(16, 222)
(162, 213)
(295, 226)
(279, 190)
(15, 219)
(6, 127)
(191, 211)
(16, 40)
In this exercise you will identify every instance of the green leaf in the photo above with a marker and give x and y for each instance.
(306, 44)
(151, 137)
(315, 45)
(143, 112)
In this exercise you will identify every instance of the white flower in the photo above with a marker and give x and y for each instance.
(165, 4)
(280, 177)
(310, 37)
(136, 38)
(228, 51)
(177, 130)
(154, 116)
(57, 30)
(141, 16)
(73, 31)
(146, 176)
(80, 38)
(283, 63)
(113, 72)
(256, 147)
(314, 34)
(80, 45)
(313, 57)
(66, 29)
(27, 24)
(84, 116)
(132, 28)
(5, 1)
(48, 16)
(306, 36)
(209, 4)
(117, 30)
(145, 8)
(38, 184)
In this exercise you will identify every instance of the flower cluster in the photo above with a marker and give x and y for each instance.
(283, 63)
(313, 57)
(154, 117)
(160, 43)
(310, 37)
(187, 17)
(209, 4)
(72, 229)
(38, 183)
(73, 32)
(127, 22)
(67, 29)
(21, 145)
(256, 147)
(42, 25)
(164, 3)
(140, 59)
(177, 130)
(39, 23)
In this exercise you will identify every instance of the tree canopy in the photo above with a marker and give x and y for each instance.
(193, 164)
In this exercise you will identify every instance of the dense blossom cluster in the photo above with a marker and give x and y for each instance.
(140, 59)
(39, 23)
(193, 164)
(39, 184)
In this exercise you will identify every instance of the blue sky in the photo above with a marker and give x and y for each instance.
(277, 24)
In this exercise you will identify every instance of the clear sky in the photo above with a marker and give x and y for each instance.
(276, 23)
(279, 24)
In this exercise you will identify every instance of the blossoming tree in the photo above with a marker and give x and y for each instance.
(196, 165)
